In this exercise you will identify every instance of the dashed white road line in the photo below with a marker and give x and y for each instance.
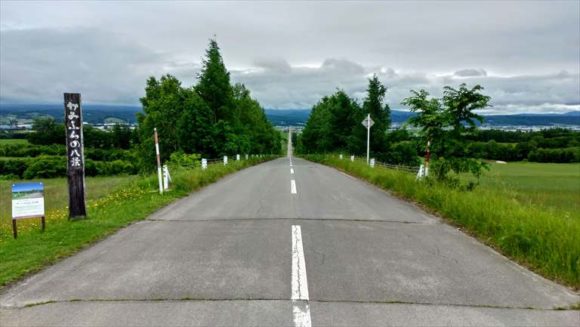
(292, 171)
(293, 187)
(299, 296)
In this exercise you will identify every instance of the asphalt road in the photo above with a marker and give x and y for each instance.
(257, 249)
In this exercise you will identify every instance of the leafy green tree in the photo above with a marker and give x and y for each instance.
(162, 108)
(211, 118)
(316, 137)
(331, 124)
(380, 113)
(121, 136)
(194, 126)
(446, 125)
(47, 131)
(261, 137)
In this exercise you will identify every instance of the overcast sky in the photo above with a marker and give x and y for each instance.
(525, 53)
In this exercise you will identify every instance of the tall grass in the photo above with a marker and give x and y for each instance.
(132, 201)
(535, 236)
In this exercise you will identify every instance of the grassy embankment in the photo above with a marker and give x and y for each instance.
(113, 202)
(529, 212)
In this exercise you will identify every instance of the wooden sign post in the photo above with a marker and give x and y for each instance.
(75, 155)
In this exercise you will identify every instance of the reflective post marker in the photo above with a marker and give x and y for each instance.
(427, 158)
(159, 175)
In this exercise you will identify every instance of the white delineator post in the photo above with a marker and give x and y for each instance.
(166, 177)
(204, 164)
(159, 175)
(427, 158)
(289, 142)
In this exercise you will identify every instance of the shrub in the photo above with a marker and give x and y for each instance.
(46, 167)
(15, 167)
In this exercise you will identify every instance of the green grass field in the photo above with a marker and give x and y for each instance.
(13, 141)
(555, 186)
(526, 211)
(113, 202)
(55, 198)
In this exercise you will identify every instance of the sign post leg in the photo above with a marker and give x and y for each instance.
(43, 220)
(14, 229)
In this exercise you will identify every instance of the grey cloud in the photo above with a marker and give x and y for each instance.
(292, 53)
(302, 87)
(276, 65)
(342, 66)
(40, 65)
(470, 72)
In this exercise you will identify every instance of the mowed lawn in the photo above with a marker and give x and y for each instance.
(55, 198)
(550, 185)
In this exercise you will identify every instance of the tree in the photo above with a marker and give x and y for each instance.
(47, 131)
(214, 84)
(446, 123)
(210, 119)
(194, 126)
(331, 124)
(380, 114)
(162, 109)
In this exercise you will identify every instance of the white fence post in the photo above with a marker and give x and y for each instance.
(372, 162)
(204, 164)
(237, 157)
(246, 157)
(340, 156)
(225, 160)
(351, 158)
(166, 177)
(421, 172)
(159, 173)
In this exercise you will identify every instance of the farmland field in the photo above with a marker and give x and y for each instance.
(13, 141)
(550, 185)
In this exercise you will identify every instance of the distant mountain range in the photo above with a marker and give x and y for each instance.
(98, 114)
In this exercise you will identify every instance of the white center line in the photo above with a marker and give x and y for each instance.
(291, 170)
(299, 296)
(293, 187)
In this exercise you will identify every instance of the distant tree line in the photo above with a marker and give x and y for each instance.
(335, 125)
(212, 118)
(449, 124)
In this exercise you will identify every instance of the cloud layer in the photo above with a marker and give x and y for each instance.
(525, 54)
